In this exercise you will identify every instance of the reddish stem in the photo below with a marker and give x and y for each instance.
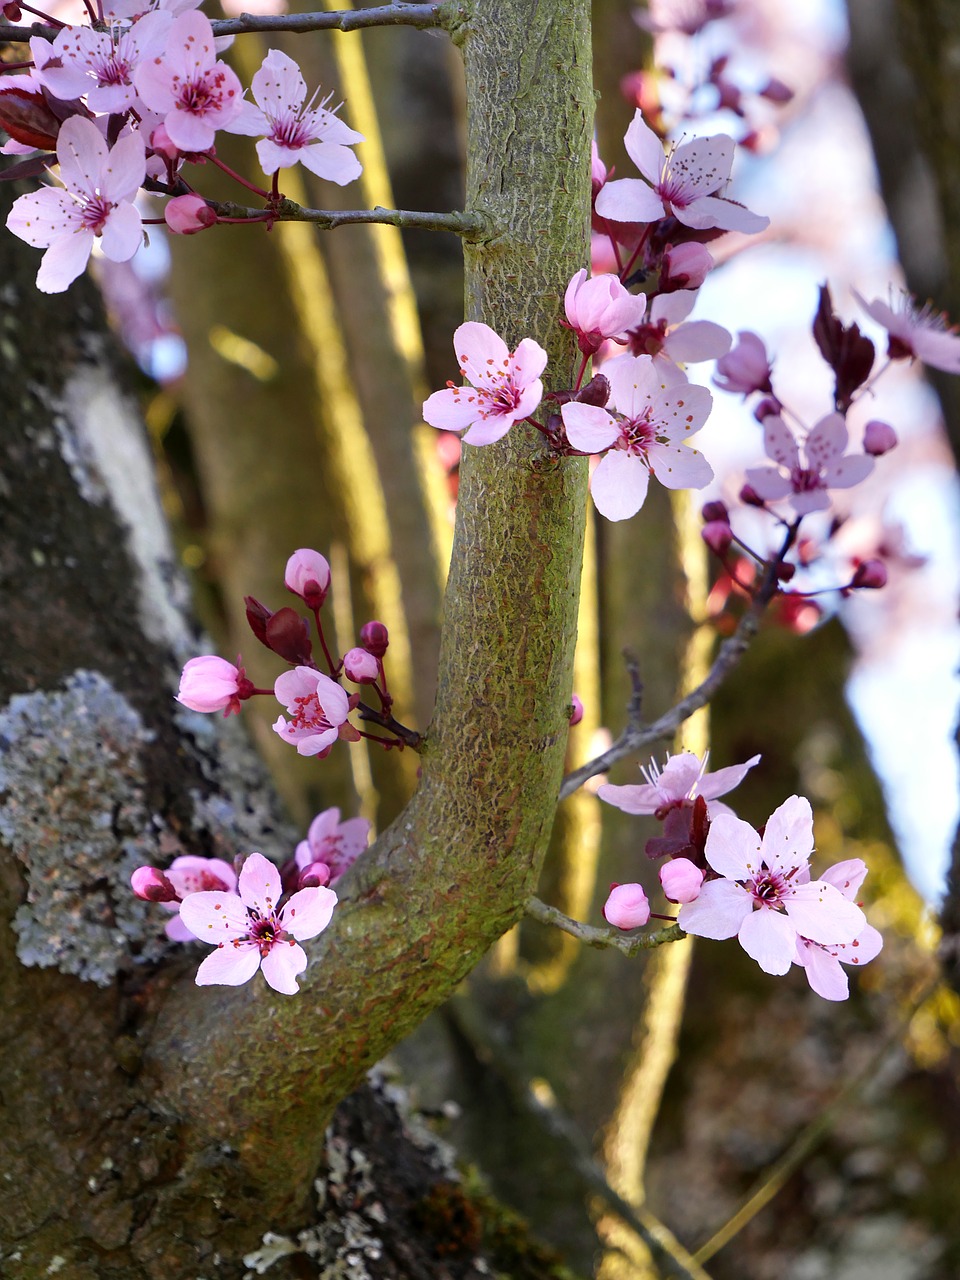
(331, 666)
(232, 173)
(635, 255)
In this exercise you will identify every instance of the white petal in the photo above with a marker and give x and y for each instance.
(281, 965)
(215, 917)
(259, 884)
(718, 912)
(308, 912)
(229, 966)
(733, 848)
(788, 835)
(821, 913)
(619, 485)
(770, 939)
(589, 428)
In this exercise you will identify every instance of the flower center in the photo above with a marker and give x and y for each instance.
(264, 931)
(636, 436)
(308, 713)
(805, 480)
(290, 131)
(648, 339)
(95, 212)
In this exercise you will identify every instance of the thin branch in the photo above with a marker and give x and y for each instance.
(422, 16)
(602, 938)
(468, 225)
(668, 1253)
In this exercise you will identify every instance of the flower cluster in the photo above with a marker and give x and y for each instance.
(126, 109)
(732, 881)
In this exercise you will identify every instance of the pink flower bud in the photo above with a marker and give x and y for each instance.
(750, 498)
(598, 170)
(375, 638)
(360, 666)
(627, 906)
(870, 575)
(185, 215)
(576, 715)
(315, 875)
(746, 368)
(785, 571)
(601, 308)
(684, 266)
(718, 535)
(163, 145)
(681, 880)
(152, 885)
(776, 91)
(768, 407)
(715, 510)
(307, 575)
(878, 438)
(210, 683)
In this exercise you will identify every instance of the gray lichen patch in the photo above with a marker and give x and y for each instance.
(72, 811)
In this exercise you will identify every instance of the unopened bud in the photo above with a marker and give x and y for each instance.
(715, 510)
(360, 666)
(750, 498)
(627, 906)
(768, 407)
(307, 575)
(150, 884)
(878, 438)
(375, 638)
(870, 575)
(785, 570)
(685, 266)
(576, 714)
(186, 215)
(163, 144)
(718, 535)
(596, 392)
(315, 875)
(681, 880)
(776, 91)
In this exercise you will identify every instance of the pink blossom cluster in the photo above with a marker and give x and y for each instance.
(125, 109)
(731, 881)
(316, 703)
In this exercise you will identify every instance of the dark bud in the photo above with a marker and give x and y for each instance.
(870, 575)
(785, 571)
(715, 510)
(375, 638)
(288, 636)
(596, 392)
(768, 407)
(750, 498)
(718, 535)
(258, 615)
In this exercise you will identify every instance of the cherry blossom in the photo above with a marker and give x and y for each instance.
(647, 435)
(210, 683)
(296, 132)
(335, 844)
(318, 706)
(360, 666)
(763, 895)
(251, 931)
(916, 333)
(822, 961)
(192, 874)
(100, 186)
(824, 464)
(627, 906)
(601, 308)
(194, 92)
(100, 65)
(683, 778)
(667, 336)
(504, 387)
(681, 880)
(186, 215)
(688, 182)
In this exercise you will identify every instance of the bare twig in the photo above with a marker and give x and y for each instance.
(468, 225)
(401, 14)
(668, 1253)
(601, 938)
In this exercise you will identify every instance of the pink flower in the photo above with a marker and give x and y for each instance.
(684, 266)
(823, 466)
(185, 215)
(626, 906)
(295, 133)
(307, 575)
(195, 93)
(504, 388)
(190, 874)
(878, 438)
(251, 931)
(916, 333)
(667, 338)
(360, 666)
(333, 843)
(821, 961)
(601, 308)
(681, 880)
(101, 184)
(150, 884)
(763, 895)
(683, 777)
(101, 64)
(210, 683)
(647, 435)
(318, 706)
(688, 183)
(746, 369)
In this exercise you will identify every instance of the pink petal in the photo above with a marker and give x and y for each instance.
(821, 913)
(788, 836)
(719, 911)
(259, 884)
(43, 216)
(190, 47)
(712, 211)
(451, 409)
(124, 170)
(301, 682)
(330, 161)
(191, 132)
(682, 409)
(673, 307)
(281, 965)
(308, 912)
(724, 780)
(279, 85)
(529, 361)
(677, 467)
(215, 917)
(64, 261)
(733, 848)
(312, 744)
(769, 484)
(589, 428)
(847, 876)
(865, 947)
(824, 973)
(826, 441)
(770, 939)
(333, 699)
(644, 148)
(940, 350)
(249, 121)
(481, 353)
(679, 775)
(702, 166)
(629, 200)
(82, 153)
(779, 442)
(634, 381)
(229, 966)
(697, 340)
(619, 485)
(122, 233)
(633, 799)
(848, 471)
